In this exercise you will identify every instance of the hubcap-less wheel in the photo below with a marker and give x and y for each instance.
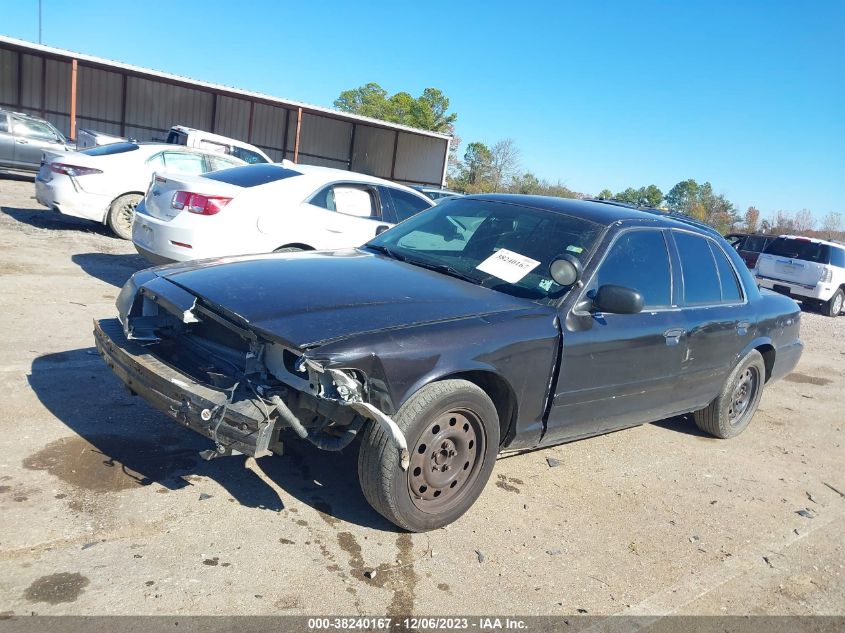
(122, 213)
(446, 461)
(837, 304)
(743, 394)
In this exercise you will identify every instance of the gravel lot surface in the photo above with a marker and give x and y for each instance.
(106, 507)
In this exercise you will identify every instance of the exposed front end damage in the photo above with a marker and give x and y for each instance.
(213, 372)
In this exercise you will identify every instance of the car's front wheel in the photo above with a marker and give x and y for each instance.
(121, 214)
(833, 306)
(732, 410)
(452, 430)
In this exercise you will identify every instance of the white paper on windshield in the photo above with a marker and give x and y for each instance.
(507, 265)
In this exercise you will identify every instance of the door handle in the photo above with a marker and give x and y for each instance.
(742, 328)
(673, 336)
(21, 141)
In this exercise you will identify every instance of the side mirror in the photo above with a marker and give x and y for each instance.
(618, 300)
(381, 228)
(565, 269)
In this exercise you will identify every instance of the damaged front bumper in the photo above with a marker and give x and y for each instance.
(234, 421)
(238, 419)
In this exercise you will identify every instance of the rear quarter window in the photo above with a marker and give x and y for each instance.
(4, 123)
(837, 256)
(253, 175)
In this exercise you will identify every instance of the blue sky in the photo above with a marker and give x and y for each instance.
(747, 95)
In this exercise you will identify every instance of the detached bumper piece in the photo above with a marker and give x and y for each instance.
(236, 420)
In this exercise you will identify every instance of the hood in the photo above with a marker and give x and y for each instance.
(311, 298)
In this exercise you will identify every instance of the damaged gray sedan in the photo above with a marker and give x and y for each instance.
(485, 325)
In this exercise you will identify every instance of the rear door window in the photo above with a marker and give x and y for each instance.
(639, 260)
(797, 248)
(4, 123)
(698, 267)
(349, 199)
(184, 163)
(406, 204)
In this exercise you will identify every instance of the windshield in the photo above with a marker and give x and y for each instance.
(502, 246)
(797, 248)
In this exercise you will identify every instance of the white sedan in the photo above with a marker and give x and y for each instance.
(267, 207)
(107, 182)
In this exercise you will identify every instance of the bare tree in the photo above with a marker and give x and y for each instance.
(832, 223)
(804, 221)
(505, 163)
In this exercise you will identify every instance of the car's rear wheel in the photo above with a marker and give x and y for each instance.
(731, 411)
(121, 214)
(452, 430)
(833, 306)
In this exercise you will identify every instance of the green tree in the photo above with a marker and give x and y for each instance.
(683, 196)
(477, 168)
(429, 111)
(605, 194)
(526, 183)
(368, 100)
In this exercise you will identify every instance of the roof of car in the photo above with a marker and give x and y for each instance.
(332, 173)
(812, 239)
(21, 114)
(600, 211)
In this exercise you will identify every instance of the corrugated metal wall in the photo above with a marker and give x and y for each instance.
(124, 102)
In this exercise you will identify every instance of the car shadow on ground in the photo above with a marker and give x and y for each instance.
(42, 218)
(111, 268)
(20, 177)
(683, 424)
(124, 443)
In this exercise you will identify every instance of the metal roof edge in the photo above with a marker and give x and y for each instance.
(140, 70)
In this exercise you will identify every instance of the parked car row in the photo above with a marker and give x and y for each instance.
(105, 183)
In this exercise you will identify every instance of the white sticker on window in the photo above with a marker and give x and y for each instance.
(507, 265)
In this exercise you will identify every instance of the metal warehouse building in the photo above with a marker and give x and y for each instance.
(72, 90)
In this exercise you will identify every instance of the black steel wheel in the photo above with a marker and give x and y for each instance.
(452, 430)
(731, 411)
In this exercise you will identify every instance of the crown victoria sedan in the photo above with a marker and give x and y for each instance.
(487, 324)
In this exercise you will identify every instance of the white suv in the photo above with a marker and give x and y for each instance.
(806, 269)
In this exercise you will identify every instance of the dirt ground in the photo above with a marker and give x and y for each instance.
(107, 509)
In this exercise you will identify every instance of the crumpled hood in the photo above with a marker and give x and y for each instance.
(309, 298)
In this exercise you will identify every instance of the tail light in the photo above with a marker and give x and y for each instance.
(827, 275)
(198, 203)
(73, 170)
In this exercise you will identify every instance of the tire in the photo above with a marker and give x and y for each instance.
(121, 214)
(288, 249)
(463, 422)
(731, 411)
(833, 306)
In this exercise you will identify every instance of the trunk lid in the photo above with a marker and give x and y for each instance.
(163, 187)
